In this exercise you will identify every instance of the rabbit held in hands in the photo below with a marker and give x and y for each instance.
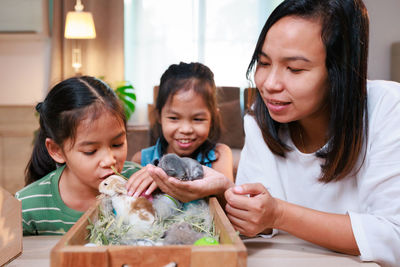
(186, 169)
(135, 211)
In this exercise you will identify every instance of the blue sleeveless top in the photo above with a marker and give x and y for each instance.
(154, 153)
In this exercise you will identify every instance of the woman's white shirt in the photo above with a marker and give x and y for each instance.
(371, 197)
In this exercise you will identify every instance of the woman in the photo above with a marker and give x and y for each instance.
(322, 153)
(330, 166)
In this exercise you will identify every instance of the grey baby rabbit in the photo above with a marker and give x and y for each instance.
(185, 169)
(181, 233)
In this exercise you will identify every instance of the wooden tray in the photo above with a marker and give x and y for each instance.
(70, 250)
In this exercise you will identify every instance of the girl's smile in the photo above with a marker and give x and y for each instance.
(184, 143)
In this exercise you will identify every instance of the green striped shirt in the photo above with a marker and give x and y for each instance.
(44, 212)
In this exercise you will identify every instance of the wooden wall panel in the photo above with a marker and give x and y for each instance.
(17, 126)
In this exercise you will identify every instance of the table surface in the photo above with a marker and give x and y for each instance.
(281, 250)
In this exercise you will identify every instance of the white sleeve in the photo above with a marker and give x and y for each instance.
(376, 225)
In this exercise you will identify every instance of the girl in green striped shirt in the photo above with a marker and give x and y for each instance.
(82, 135)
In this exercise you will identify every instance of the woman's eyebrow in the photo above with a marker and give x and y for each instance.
(296, 58)
(291, 58)
(264, 54)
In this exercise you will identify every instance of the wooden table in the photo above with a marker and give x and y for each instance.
(35, 251)
(281, 250)
(285, 250)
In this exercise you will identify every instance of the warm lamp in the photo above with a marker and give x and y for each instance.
(79, 25)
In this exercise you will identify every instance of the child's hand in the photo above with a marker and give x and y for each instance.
(141, 182)
(213, 183)
(251, 209)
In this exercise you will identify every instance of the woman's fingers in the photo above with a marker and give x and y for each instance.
(246, 222)
(236, 212)
(251, 208)
(242, 225)
(243, 196)
(237, 223)
(237, 201)
(249, 189)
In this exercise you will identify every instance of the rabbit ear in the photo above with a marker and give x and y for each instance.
(120, 188)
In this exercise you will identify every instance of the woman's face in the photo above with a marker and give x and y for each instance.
(291, 74)
(185, 122)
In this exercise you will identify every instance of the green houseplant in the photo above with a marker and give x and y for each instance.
(126, 93)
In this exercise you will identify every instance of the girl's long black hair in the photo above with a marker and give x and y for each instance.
(67, 103)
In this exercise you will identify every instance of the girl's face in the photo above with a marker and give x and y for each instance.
(185, 122)
(291, 74)
(98, 145)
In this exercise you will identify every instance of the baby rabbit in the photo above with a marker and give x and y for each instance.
(166, 206)
(134, 211)
(184, 168)
(181, 233)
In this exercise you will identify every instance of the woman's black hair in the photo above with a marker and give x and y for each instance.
(345, 34)
(190, 76)
(67, 103)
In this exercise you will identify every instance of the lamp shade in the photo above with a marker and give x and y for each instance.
(79, 25)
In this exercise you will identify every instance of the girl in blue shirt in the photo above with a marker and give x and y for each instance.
(188, 124)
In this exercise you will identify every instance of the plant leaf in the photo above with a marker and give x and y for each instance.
(126, 93)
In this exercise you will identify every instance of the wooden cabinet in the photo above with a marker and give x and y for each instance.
(138, 137)
(17, 126)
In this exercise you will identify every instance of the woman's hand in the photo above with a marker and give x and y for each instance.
(140, 182)
(213, 183)
(251, 209)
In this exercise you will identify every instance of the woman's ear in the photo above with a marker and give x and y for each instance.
(55, 151)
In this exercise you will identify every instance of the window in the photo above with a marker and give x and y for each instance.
(220, 34)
